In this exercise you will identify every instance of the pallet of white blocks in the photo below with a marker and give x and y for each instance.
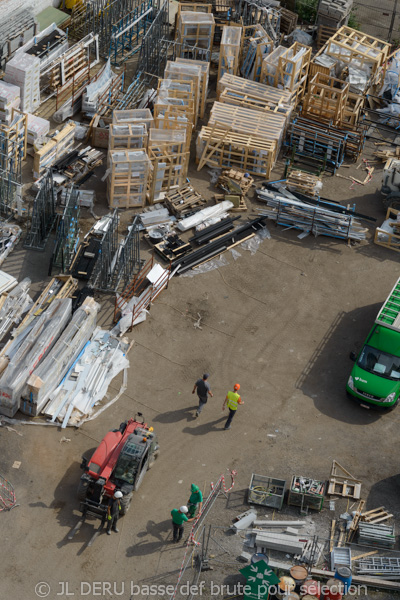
(128, 177)
(23, 70)
(10, 98)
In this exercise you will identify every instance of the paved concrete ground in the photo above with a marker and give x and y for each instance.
(282, 323)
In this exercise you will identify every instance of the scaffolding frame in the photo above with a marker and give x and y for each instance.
(67, 237)
(117, 261)
(10, 179)
(42, 215)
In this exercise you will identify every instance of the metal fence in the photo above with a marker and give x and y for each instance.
(380, 19)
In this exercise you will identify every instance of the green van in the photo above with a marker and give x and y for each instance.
(375, 378)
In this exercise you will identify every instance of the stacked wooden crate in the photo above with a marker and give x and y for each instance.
(195, 30)
(127, 136)
(205, 74)
(229, 51)
(185, 72)
(287, 68)
(168, 153)
(353, 49)
(128, 178)
(326, 99)
(255, 47)
(56, 148)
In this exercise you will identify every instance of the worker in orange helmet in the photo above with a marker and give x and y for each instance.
(232, 401)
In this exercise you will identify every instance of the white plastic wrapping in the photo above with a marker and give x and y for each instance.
(15, 305)
(44, 380)
(37, 342)
(204, 214)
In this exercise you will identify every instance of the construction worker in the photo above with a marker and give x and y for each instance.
(195, 501)
(114, 506)
(178, 519)
(231, 401)
(203, 390)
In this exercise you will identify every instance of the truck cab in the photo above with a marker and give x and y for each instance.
(375, 378)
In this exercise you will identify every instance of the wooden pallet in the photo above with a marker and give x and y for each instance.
(303, 182)
(323, 35)
(238, 201)
(288, 21)
(356, 519)
(242, 182)
(376, 515)
(342, 483)
(182, 200)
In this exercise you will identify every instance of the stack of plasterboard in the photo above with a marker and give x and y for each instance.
(47, 376)
(24, 71)
(10, 98)
(27, 352)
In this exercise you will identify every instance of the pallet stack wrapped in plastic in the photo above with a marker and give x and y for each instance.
(47, 376)
(27, 351)
(128, 178)
(170, 160)
(38, 128)
(10, 98)
(195, 30)
(24, 71)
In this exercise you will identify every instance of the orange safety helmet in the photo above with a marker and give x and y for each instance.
(236, 386)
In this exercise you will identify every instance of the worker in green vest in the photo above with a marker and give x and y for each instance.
(231, 401)
(195, 501)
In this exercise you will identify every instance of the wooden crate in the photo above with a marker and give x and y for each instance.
(237, 98)
(195, 29)
(288, 68)
(229, 51)
(127, 136)
(288, 21)
(172, 120)
(256, 45)
(205, 73)
(170, 161)
(353, 109)
(385, 238)
(326, 99)
(135, 116)
(186, 73)
(128, 178)
(269, 126)
(14, 137)
(323, 35)
(218, 146)
(274, 98)
(56, 148)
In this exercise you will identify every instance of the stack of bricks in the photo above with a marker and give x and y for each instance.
(334, 13)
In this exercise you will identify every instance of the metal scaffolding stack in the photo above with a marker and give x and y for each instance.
(67, 233)
(43, 214)
(120, 24)
(117, 261)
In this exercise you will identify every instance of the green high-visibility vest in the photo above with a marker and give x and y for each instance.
(233, 400)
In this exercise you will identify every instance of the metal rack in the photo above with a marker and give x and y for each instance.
(67, 233)
(43, 214)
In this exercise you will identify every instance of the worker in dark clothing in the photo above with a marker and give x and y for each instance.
(195, 501)
(232, 400)
(114, 506)
(178, 519)
(203, 391)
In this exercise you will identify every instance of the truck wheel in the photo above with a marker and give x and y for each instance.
(125, 504)
(82, 489)
(153, 459)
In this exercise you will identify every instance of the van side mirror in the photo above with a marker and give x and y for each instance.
(353, 356)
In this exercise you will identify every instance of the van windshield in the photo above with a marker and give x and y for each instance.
(378, 362)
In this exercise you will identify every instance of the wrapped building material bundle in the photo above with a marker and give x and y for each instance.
(36, 343)
(47, 376)
(15, 304)
(87, 381)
